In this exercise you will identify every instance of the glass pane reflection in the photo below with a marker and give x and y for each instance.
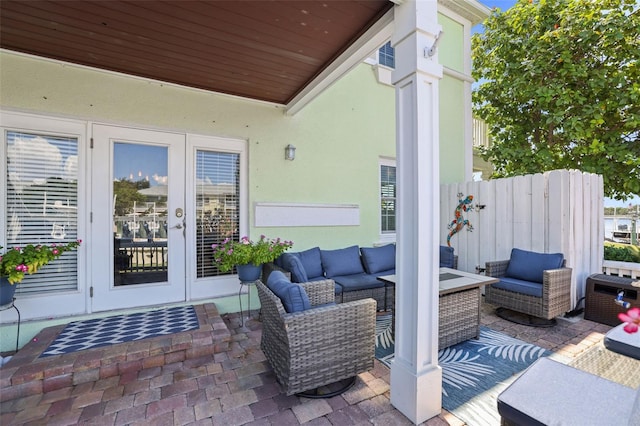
(140, 213)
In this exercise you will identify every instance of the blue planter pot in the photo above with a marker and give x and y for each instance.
(249, 272)
(6, 291)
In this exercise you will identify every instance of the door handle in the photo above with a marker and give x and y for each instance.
(177, 226)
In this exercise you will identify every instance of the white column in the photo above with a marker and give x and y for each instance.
(416, 378)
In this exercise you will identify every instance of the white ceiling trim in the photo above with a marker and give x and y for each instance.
(472, 10)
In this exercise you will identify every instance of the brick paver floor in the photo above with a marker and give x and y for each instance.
(232, 385)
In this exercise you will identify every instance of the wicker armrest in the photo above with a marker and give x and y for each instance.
(348, 328)
(556, 282)
(496, 268)
(320, 292)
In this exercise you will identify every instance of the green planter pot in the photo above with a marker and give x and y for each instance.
(249, 272)
(6, 291)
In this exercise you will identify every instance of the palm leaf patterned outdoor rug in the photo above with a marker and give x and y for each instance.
(473, 372)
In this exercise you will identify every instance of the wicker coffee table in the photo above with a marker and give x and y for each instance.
(459, 306)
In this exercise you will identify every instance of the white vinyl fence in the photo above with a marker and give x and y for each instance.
(558, 211)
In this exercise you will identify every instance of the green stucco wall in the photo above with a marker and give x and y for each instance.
(339, 136)
(452, 132)
(452, 107)
(451, 50)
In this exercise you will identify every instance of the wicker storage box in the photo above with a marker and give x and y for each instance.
(602, 291)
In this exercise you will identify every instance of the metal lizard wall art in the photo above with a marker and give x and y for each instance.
(458, 222)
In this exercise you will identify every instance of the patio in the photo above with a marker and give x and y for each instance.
(215, 375)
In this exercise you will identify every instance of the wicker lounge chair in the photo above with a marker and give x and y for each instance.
(318, 346)
(555, 297)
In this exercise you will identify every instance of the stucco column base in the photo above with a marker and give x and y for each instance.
(417, 396)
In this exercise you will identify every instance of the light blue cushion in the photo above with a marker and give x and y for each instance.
(344, 261)
(312, 262)
(529, 266)
(520, 286)
(294, 298)
(446, 257)
(376, 259)
(293, 264)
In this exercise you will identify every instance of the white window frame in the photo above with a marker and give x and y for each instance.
(66, 302)
(385, 237)
(223, 285)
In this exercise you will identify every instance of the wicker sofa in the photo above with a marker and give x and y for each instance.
(320, 345)
(531, 283)
(354, 270)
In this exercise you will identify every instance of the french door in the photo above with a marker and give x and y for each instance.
(137, 218)
(159, 201)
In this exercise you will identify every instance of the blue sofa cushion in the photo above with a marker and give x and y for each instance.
(529, 265)
(377, 259)
(294, 298)
(312, 262)
(446, 257)
(293, 264)
(519, 286)
(360, 281)
(344, 261)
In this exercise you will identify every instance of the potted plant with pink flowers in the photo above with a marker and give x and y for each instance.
(248, 256)
(16, 262)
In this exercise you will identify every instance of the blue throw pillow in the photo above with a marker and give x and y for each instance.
(344, 261)
(446, 257)
(378, 259)
(293, 264)
(529, 266)
(312, 262)
(294, 298)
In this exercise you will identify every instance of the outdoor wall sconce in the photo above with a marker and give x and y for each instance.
(289, 152)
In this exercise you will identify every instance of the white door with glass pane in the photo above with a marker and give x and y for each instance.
(138, 218)
(158, 203)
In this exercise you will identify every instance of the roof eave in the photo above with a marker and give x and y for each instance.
(372, 39)
(472, 10)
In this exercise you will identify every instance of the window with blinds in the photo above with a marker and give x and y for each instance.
(387, 198)
(217, 205)
(42, 204)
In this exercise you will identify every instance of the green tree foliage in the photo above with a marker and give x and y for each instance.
(126, 193)
(560, 89)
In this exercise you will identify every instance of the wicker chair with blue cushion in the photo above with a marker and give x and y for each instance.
(309, 340)
(535, 284)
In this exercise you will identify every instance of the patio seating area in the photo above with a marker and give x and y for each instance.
(216, 380)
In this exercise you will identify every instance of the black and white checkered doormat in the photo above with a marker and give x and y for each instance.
(95, 333)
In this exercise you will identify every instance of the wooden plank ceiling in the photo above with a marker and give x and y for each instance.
(265, 50)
